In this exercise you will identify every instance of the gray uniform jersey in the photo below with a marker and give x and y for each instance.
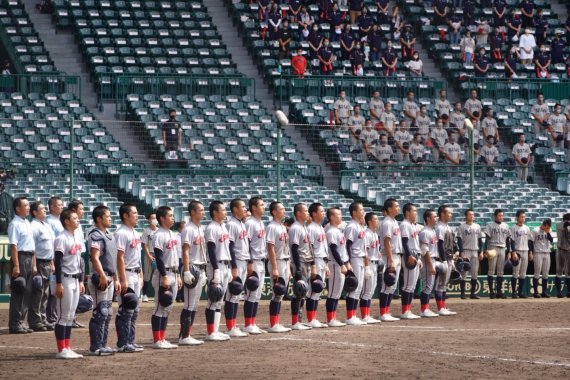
(372, 245)
(278, 237)
(383, 152)
(378, 106)
(540, 110)
(428, 242)
(522, 150)
(491, 153)
(497, 234)
(439, 135)
(343, 107)
(218, 234)
(423, 123)
(105, 243)
(443, 107)
(193, 235)
(473, 105)
(417, 151)
(470, 234)
(557, 122)
(128, 240)
(411, 107)
(541, 242)
(410, 231)
(336, 237)
(318, 240)
(239, 236)
(521, 235)
(298, 235)
(441, 230)
(403, 136)
(256, 231)
(457, 119)
(355, 233)
(452, 150)
(147, 236)
(67, 244)
(489, 125)
(390, 229)
(43, 238)
(167, 242)
(388, 119)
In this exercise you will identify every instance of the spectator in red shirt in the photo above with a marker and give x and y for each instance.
(299, 63)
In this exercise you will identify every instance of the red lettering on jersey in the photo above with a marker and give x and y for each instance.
(342, 240)
(197, 241)
(434, 240)
(171, 243)
(283, 236)
(135, 242)
(242, 235)
(261, 234)
(223, 238)
(306, 239)
(321, 238)
(396, 231)
(375, 244)
(361, 235)
(75, 249)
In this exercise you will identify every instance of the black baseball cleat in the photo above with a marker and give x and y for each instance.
(474, 297)
(559, 295)
(515, 295)
(523, 296)
(18, 331)
(502, 296)
(493, 296)
(544, 295)
(536, 295)
(463, 297)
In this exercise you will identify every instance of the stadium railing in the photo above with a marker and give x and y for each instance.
(41, 83)
(528, 89)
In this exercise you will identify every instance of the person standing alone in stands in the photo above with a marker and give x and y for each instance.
(171, 135)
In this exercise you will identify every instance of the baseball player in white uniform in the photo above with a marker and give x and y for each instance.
(445, 237)
(241, 263)
(279, 256)
(542, 240)
(391, 250)
(319, 247)
(470, 243)
(193, 254)
(355, 234)
(218, 267)
(338, 264)
(376, 266)
(129, 271)
(411, 246)
(166, 275)
(498, 236)
(428, 247)
(258, 250)
(563, 255)
(69, 282)
(521, 246)
(147, 244)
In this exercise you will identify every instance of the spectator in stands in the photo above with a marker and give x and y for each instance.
(389, 120)
(442, 105)
(355, 9)
(511, 59)
(482, 64)
(540, 27)
(365, 22)
(299, 63)
(45, 7)
(514, 26)
(455, 23)
(500, 16)
(469, 8)
(336, 19)
(467, 45)
(285, 37)
(396, 23)
(567, 113)
(542, 63)
(382, 15)
(342, 109)
(410, 108)
(527, 8)
(357, 59)
(477, 139)
(315, 41)
(539, 112)
(457, 121)
(496, 43)
(438, 138)
(264, 8)
(295, 7)
(417, 150)
(490, 126)
(171, 135)
(346, 43)
(527, 44)
(440, 12)
(375, 107)
(473, 104)
(416, 65)
(557, 48)
(489, 153)
(274, 22)
(557, 130)
(523, 157)
(423, 123)
(356, 121)
(383, 152)
(305, 24)
(375, 42)
(326, 57)
(483, 30)
(389, 59)
(403, 139)
(6, 68)
(407, 40)
(369, 136)
(452, 151)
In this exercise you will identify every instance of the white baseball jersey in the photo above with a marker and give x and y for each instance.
(355, 233)
(557, 122)
(376, 105)
(521, 235)
(256, 231)
(457, 119)
(278, 237)
(417, 151)
(540, 110)
(470, 235)
(410, 231)
(388, 119)
(343, 107)
(298, 235)
(443, 107)
(67, 244)
(497, 234)
(452, 150)
(439, 135)
(491, 153)
(372, 245)
(428, 242)
(391, 229)
(473, 105)
(128, 240)
(523, 151)
(167, 242)
(411, 107)
(383, 152)
(218, 234)
(240, 238)
(193, 235)
(423, 123)
(147, 236)
(336, 237)
(490, 126)
(541, 241)
(318, 240)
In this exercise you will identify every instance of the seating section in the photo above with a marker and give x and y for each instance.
(36, 129)
(29, 52)
(510, 195)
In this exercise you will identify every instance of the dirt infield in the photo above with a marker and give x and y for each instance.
(487, 339)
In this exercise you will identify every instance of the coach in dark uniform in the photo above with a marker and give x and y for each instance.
(557, 49)
(346, 43)
(325, 56)
(171, 133)
(482, 64)
(527, 9)
(540, 28)
(22, 249)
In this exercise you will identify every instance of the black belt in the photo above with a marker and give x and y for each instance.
(374, 261)
(135, 270)
(200, 266)
(44, 261)
(171, 270)
(287, 259)
(29, 253)
(226, 262)
(76, 276)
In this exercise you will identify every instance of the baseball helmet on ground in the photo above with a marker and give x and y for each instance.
(19, 285)
(129, 300)
(350, 282)
(317, 284)
(215, 292)
(455, 277)
(300, 289)
(84, 304)
(165, 297)
(235, 287)
(490, 254)
(389, 277)
(252, 282)
(37, 282)
(280, 287)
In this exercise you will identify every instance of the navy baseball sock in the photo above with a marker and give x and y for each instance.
(311, 309)
(351, 307)
(568, 286)
(558, 284)
(210, 316)
(248, 312)
(490, 283)
(513, 285)
(60, 336)
(521, 286)
(155, 323)
(294, 310)
(544, 286)
(499, 285)
(274, 307)
(228, 314)
(439, 299)
(535, 285)
(67, 336)
(383, 303)
(329, 304)
(184, 323)
(255, 306)
(144, 287)
(424, 301)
